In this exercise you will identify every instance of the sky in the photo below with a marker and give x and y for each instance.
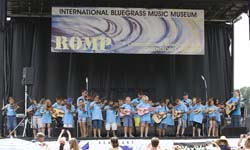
(242, 53)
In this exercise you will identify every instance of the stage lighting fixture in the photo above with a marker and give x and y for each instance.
(8, 19)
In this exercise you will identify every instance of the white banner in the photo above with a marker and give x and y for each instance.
(127, 30)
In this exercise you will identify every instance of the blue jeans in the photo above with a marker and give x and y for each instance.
(11, 122)
(235, 121)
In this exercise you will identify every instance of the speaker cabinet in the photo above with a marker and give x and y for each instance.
(28, 77)
(234, 132)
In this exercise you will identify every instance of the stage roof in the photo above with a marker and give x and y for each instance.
(215, 10)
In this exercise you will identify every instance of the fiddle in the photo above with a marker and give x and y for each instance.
(14, 106)
(88, 97)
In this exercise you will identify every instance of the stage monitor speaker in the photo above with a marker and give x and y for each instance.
(28, 77)
(234, 132)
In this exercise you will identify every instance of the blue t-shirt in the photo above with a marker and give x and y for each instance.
(87, 106)
(237, 111)
(169, 120)
(182, 107)
(46, 115)
(10, 110)
(147, 116)
(127, 106)
(68, 117)
(218, 117)
(96, 111)
(191, 115)
(160, 110)
(111, 114)
(82, 113)
(213, 113)
(35, 108)
(136, 101)
(198, 117)
(57, 106)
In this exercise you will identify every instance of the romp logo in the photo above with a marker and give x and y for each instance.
(85, 43)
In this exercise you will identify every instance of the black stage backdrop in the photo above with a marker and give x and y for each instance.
(26, 43)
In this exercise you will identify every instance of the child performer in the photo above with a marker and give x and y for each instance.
(34, 111)
(146, 118)
(111, 115)
(162, 111)
(11, 109)
(69, 110)
(182, 121)
(127, 110)
(198, 117)
(82, 116)
(96, 110)
(46, 116)
(169, 120)
(211, 110)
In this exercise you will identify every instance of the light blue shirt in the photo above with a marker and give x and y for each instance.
(46, 115)
(198, 117)
(218, 117)
(129, 107)
(136, 101)
(96, 111)
(68, 117)
(82, 113)
(161, 109)
(57, 106)
(237, 112)
(10, 110)
(165, 110)
(191, 115)
(87, 106)
(35, 108)
(111, 114)
(146, 117)
(212, 114)
(169, 120)
(182, 107)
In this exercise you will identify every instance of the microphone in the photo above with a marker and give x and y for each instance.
(202, 77)
(87, 80)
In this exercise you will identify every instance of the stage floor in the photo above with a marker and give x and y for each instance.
(104, 144)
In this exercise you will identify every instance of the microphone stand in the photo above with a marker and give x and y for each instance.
(206, 98)
(205, 84)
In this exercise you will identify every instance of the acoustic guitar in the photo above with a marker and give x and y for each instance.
(230, 108)
(143, 111)
(158, 117)
(196, 111)
(125, 112)
(177, 114)
(55, 113)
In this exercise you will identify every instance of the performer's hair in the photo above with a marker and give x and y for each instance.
(114, 142)
(155, 142)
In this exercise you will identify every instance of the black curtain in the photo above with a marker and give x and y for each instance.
(113, 76)
(3, 4)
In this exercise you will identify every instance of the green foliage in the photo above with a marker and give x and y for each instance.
(245, 93)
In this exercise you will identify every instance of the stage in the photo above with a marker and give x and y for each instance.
(126, 144)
